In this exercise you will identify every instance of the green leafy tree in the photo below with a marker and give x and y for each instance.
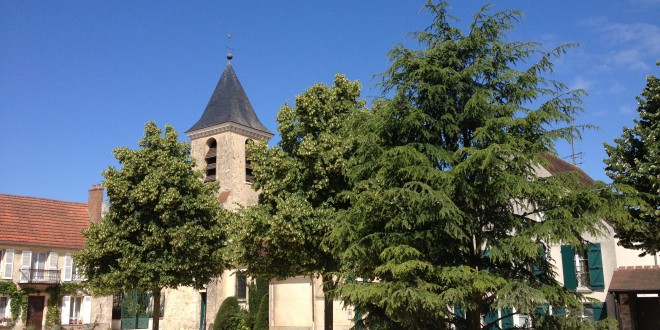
(300, 179)
(447, 213)
(633, 165)
(161, 229)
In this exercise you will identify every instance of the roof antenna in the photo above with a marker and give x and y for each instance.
(229, 55)
(573, 154)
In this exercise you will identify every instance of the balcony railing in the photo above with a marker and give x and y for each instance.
(40, 276)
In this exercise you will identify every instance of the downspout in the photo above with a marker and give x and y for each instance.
(311, 279)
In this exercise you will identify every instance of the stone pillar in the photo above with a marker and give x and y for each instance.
(625, 312)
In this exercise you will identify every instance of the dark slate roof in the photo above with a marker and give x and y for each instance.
(636, 279)
(229, 103)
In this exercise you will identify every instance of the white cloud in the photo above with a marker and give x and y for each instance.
(633, 46)
(627, 109)
(581, 83)
(616, 88)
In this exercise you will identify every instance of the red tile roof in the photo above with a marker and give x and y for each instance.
(30, 221)
(557, 165)
(636, 279)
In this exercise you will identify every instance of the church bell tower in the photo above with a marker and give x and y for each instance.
(219, 138)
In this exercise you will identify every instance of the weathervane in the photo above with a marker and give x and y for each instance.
(229, 55)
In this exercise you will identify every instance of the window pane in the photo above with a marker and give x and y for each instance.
(241, 288)
(38, 260)
(3, 306)
(582, 270)
(74, 311)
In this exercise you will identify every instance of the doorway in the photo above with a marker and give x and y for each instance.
(647, 309)
(202, 311)
(35, 314)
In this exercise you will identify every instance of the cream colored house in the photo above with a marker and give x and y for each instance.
(627, 284)
(37, 240)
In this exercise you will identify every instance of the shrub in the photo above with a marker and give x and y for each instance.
(261, 319)
(228, 317)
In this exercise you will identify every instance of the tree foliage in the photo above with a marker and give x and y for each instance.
(633, 165)
(447, 211)
(299, 181)
(161, 229)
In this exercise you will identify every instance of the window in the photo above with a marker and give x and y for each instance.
(76, 309)
(211, 160)
(71, 272)
(32, 266)
(4, 306)
(7, 263)
(595, 311)
(241, 286)
(39, 264)
(525, 321)
(76, 275)
(74, 312)
(38, 260)
(8, 267)
(583, 270)
(588, 312)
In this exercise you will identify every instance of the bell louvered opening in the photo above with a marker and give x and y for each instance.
(249, 176)
(212, 153)
(211, 160)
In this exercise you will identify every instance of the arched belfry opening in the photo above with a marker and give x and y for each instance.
(211, 159)
(249, 176)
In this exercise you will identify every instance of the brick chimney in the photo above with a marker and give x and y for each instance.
(95, 203)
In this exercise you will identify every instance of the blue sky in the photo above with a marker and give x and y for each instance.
(79, 78)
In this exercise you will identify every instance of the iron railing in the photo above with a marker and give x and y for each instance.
(40, 276)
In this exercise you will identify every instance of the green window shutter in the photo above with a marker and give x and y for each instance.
(558, 311)
(568, 263)
(596, 278)
(507, 320)
(543, 310)
(491, 317)
(537, 268)
(459, 315)
(600, 312)
(486, 254)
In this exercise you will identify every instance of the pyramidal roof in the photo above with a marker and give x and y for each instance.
(229, 104)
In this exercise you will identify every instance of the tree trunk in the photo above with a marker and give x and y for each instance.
(156, 309)
(328, 319)
(328, 303)
(473, 319)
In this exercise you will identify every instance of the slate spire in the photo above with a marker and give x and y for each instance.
(229, 104)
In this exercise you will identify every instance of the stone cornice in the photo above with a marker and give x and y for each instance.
(229, 127)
